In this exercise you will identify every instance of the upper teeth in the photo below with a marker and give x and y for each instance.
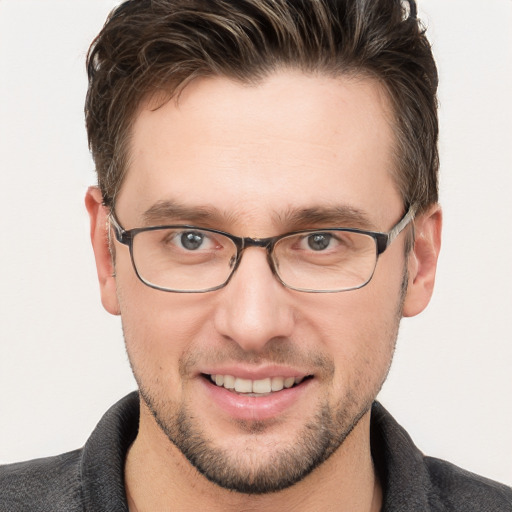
(255, 386)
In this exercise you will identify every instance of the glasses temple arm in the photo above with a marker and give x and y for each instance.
(398, 228)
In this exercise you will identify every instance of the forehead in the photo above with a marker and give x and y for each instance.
(293, 141)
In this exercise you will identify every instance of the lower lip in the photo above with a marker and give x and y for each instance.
(243, 407)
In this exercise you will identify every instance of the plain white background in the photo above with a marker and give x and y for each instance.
(62, 360)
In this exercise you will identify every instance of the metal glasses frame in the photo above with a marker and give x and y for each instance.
(382, 241)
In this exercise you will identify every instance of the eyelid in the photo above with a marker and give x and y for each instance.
(335, 232)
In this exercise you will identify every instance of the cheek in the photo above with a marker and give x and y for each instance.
(358, 329)
(159, 328)
(359, 319)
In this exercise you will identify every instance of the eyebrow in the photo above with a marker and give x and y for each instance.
(168, 211)
(328, 216)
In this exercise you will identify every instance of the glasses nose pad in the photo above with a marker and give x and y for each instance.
(273, 263)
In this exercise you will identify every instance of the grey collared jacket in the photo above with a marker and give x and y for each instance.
(91, 479)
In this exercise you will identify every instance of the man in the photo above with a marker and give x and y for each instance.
(266, 213)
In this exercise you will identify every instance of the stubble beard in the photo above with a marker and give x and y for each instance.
(250, 472)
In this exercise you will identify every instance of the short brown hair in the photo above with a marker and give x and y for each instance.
(150, 46)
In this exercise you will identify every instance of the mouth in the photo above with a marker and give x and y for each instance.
(255, 388)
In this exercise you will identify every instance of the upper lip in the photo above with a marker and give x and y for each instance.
(262, 372)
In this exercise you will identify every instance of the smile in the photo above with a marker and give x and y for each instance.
(260, 387)
(268, 394)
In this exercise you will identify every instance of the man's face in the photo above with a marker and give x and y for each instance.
(294, 152)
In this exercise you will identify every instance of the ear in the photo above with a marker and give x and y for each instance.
(422, 262)
(98, 215)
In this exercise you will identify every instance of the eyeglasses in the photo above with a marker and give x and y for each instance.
(191, 259)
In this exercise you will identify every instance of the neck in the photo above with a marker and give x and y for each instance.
(158, 477)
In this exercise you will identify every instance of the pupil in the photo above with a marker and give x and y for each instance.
(192, 241)
(319, 241)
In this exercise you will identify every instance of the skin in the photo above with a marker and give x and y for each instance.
(329, 143)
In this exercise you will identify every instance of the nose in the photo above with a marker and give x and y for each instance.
(254, 307)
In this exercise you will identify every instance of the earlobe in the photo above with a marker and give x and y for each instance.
(422, 262)
(98, 216)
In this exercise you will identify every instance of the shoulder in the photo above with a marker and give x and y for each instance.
(414, 482)
(52, 483)
(87, 479)
(458, 488)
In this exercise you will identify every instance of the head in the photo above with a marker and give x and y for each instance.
(260, 118)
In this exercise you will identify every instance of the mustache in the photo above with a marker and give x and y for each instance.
(279, 351)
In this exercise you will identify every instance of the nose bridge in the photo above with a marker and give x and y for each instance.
(257, 242)
(254, 307)
(263, 243)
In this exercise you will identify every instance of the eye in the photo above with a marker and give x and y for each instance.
(319, 241)
(191, 240)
